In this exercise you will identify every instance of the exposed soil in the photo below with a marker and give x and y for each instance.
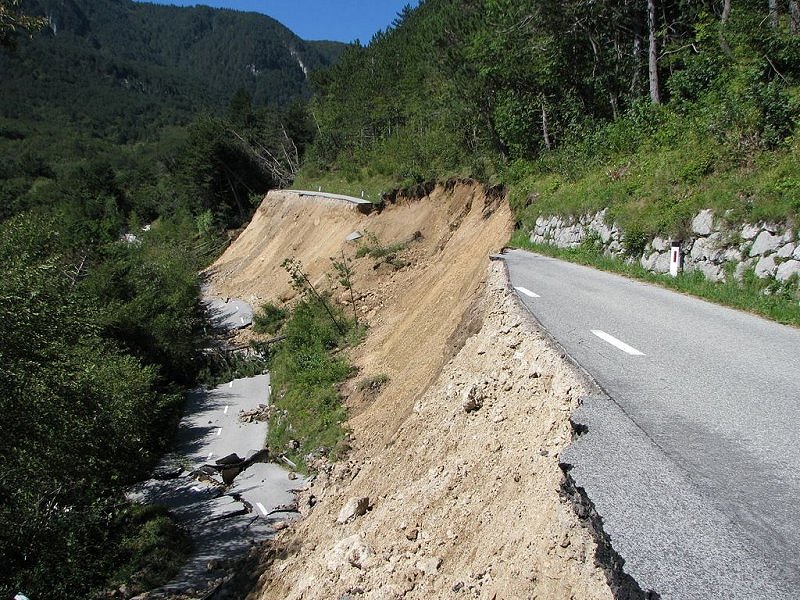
(462, 503)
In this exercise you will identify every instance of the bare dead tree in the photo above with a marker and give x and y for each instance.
(282, 163)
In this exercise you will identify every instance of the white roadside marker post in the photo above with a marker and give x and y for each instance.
(675, 259)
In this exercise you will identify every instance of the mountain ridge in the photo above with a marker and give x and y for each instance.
(116, 65)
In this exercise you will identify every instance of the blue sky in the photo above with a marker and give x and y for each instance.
(342, 20)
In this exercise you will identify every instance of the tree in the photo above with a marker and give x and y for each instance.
(652, 63)
(13, 20)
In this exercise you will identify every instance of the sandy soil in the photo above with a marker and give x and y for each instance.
(462, 503)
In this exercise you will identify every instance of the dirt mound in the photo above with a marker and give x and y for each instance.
(457, 451)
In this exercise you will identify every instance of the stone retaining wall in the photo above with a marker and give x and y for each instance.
(772, 250)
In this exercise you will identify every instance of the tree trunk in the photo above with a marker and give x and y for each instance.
(612, 98)
(794, 17)
(545, 129)
(655, 92)
(726, 15)
(773, 13)
(637, 64)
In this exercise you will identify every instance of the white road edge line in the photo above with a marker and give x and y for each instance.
(615, 342)
(526, 291)
(230, 385)
(261, 508)
(210, 454)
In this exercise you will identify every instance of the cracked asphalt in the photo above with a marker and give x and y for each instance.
(224, 523)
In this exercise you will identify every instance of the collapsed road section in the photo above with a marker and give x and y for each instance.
(218, 484)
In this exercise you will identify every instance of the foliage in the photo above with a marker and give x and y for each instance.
(373, 384)
(305, 374)
(344, 274)
(12, 20)
(84, 413)
(153, 550)
(111, 123)
(381, 253)
(269, 319)
(553, 101)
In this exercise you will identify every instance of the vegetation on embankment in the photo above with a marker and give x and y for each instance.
(305, 369)
(558, 103)
(306, 366)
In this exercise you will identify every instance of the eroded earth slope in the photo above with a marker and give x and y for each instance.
(458, 453)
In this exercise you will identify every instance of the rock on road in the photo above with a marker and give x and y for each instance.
(690, 452)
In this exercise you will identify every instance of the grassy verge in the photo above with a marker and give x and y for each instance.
(654, 169)
(306, 369)
(768, 299)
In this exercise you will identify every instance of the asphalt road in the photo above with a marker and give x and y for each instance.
(224, 525)
(229, 314)
(691, 454)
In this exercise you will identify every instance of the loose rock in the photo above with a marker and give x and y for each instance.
(353, 509)
(429, 566)
(473, 398)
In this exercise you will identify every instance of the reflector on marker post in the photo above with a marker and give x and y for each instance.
(675, 259)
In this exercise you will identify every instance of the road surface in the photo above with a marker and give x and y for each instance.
(223, 523)
(228, 314)
(691, 454)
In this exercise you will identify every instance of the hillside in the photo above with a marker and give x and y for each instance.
(123, 70)
(447, 488)
(564, 107)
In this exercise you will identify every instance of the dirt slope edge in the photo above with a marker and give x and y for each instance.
(463, 504)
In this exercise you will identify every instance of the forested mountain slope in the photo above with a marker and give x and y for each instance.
(122, 69)
(654, 109)
(120, 118)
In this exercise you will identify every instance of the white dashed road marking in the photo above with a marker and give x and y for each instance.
(261, 508)
(527, 292)
(617, 343)
(219, 432)
(226, 410)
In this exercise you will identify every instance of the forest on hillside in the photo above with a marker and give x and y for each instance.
(112, 123)
(654, 108)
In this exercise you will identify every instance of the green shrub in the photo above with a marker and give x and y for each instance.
(269, 319)
(306, 369)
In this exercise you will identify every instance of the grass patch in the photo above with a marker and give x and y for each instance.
(769, 299)
(656, 183)
(388, 254)
(373, 384)
(269, 319)
(306, 369)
